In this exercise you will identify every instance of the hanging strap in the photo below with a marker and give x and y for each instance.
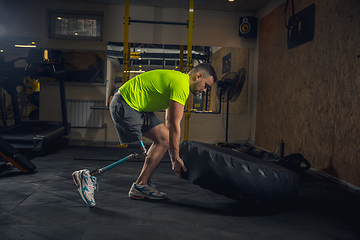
(293, 15)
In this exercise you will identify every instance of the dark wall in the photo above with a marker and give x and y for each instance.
(309, 96)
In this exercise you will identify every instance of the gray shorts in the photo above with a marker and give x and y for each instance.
(130, 123)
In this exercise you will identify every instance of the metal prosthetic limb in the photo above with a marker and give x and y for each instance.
(131, 156)
(142, 146)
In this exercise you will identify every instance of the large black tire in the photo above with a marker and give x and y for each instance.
(251, 180)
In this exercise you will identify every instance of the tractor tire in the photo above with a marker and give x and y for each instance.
(252, 181)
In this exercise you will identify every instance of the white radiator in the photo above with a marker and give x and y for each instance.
(80, 113)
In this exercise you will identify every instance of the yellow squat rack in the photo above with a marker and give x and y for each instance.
(126, 53)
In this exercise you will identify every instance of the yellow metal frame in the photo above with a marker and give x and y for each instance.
(181, 57)
(126, 56)
(126, 49)
(188, 67)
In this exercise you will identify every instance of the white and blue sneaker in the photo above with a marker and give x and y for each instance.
(147, 191)
(87, 185)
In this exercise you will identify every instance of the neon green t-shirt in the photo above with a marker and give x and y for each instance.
(152, 91)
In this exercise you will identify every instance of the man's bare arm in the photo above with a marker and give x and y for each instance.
(167, 118)
(176, 114)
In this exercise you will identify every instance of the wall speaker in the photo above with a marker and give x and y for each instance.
(248, 27)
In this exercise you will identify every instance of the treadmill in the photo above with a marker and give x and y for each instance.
(34, 135)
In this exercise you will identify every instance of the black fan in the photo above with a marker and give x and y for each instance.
(229, 89)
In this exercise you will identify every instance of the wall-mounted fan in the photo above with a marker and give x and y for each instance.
(229, 89)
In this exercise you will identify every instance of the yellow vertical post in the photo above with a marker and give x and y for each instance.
(181, 62)
(190, 36)
(188, 66)
(126, 56)
(128, 61)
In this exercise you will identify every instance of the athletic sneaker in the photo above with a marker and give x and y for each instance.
(147, 191)
(87, 185)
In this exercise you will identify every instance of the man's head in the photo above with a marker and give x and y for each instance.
(202, 76)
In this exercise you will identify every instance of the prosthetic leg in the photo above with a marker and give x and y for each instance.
(87, 182)
(129, 157)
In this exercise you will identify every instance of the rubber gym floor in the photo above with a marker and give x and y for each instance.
(46, 205)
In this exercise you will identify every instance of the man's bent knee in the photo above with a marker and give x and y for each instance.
(163, 141)
(159, 135)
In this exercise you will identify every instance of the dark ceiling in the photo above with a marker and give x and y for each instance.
(248, 6)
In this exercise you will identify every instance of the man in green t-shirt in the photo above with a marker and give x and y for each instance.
(132, 110)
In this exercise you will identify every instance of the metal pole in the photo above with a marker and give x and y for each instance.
(227, 117)
(163, 59)
(158, 22)
(181, 61)
(126, 42)
(206, 100)
(63, 105)
(220, 100)
(282, 147)
(2, 106)
(190, 36)
(128, 65)
(188, 67)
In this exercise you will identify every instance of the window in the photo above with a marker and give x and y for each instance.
(76, 25)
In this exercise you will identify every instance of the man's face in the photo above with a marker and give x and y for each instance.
(202, 84)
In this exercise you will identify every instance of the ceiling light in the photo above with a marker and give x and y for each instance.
(231, 0)
(24, 45)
